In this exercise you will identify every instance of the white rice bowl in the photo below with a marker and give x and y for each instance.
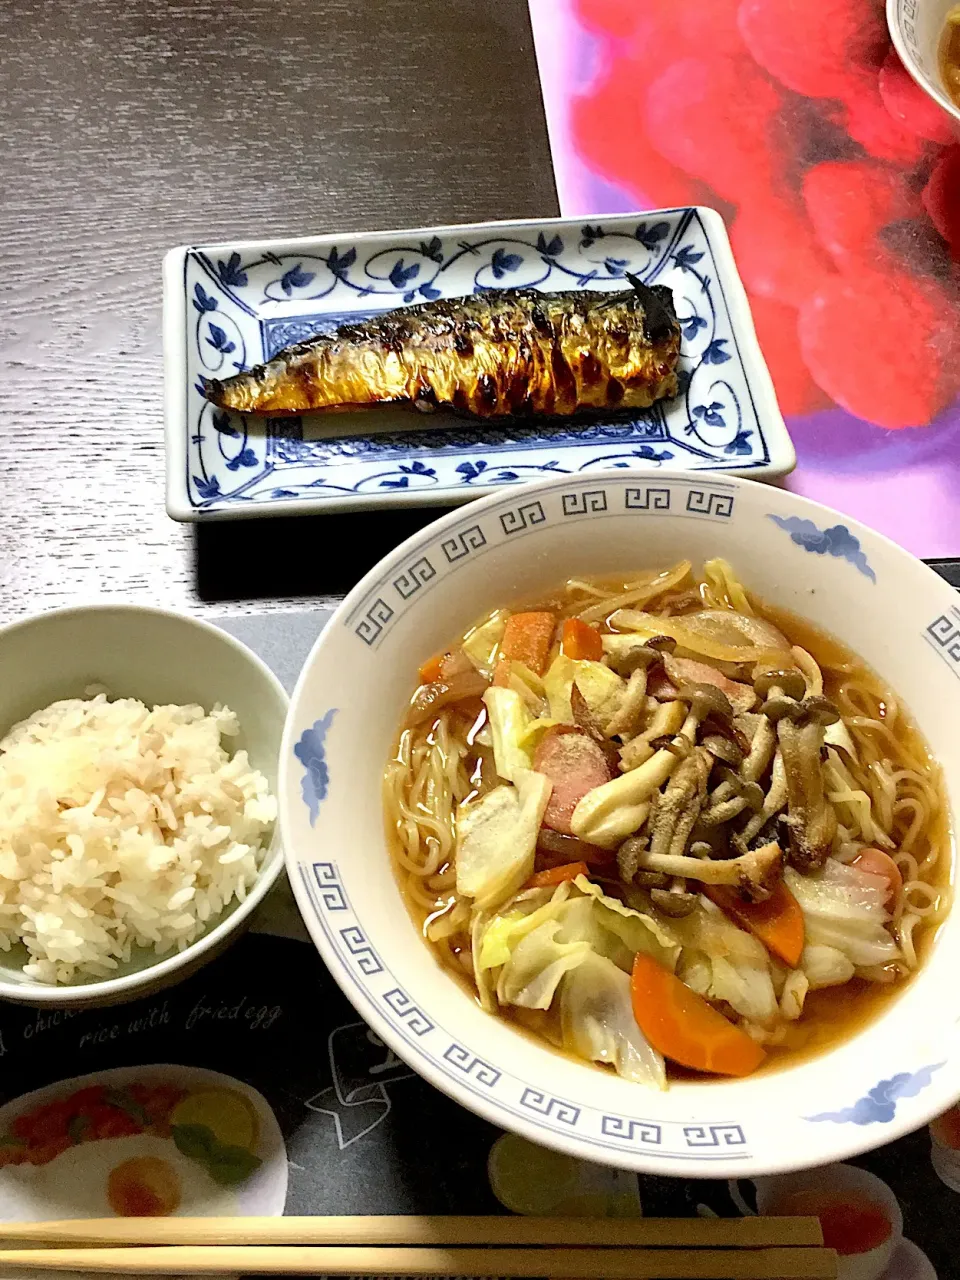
(123, 827)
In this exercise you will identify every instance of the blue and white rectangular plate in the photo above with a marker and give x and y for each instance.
(230, 306)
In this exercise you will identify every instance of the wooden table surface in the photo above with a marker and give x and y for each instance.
(130, 126)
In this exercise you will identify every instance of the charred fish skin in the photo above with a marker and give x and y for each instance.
(497, 354)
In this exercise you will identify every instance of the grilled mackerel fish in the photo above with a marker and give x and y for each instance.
(501, 353)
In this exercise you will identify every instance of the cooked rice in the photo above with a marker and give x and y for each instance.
(122, 827)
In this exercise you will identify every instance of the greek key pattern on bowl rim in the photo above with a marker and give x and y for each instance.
(427, 1039)
(387, 600)
(943, 637)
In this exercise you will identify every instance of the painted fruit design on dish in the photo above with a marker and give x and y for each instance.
(530, 1179)
(140, 1149)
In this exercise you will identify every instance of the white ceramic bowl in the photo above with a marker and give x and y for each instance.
(915, 29)
(891, 1078)
(841, 1180)
(158, 657)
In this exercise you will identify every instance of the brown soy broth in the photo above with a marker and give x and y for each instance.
(831, 654)
(950, 60)
(831, 1016)
(836, 1014)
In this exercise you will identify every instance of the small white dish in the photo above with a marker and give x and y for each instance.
(72, 1182)
(230, 306)
(910, 1263)
(903, 619)
(916, 28)
(841, 1179)
(158, 657)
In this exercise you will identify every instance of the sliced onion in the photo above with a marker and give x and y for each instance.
(770, 646)
(727, 627)
(455, 663)
(431, 698)
(639, 593)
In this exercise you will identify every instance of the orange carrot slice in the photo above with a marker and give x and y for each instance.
(777, 922)
(683, 1027)
(877, 863)
(581, 641)
(557, 875)
(430, 671)
(527, 638)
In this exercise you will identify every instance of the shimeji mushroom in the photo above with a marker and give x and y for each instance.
(727, 806)
(628, 862)
(800, 723)
(788, 681)
(754, 873)
(706, 700)
(761, 751)
(768, 680)
(675, 901)
(723, 749)
(679, 806)
(611, 812)
(635, 662)
(667, 720)
(773, 802)
(810, 815)
(626, 654)
(629, 715)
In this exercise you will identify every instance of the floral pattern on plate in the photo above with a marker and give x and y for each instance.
(234, 306)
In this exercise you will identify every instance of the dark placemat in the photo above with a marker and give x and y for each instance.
(363, 1133)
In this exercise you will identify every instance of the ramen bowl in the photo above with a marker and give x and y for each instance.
(890, 1077)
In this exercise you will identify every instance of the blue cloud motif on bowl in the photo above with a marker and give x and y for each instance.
(311, 752)
(879, 1105)
(836, 541)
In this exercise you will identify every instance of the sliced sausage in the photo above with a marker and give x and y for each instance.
(575, 764)
(687, 671)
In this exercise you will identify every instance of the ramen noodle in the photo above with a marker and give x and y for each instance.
(662, 825)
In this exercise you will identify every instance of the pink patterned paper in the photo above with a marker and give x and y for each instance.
(840, 184)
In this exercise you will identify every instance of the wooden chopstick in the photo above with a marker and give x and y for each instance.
(566, 1264)
(409, 1229)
